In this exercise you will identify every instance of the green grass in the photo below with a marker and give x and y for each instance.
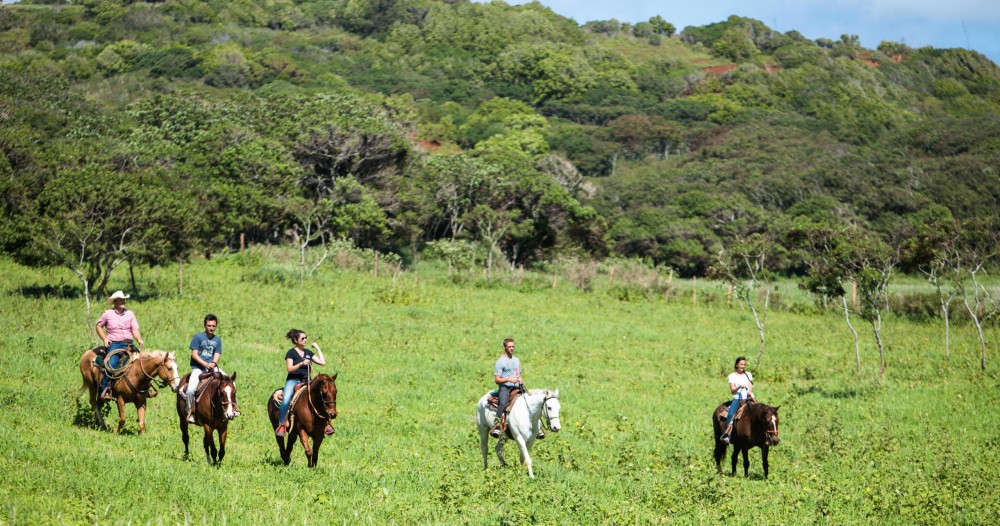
(638, 382)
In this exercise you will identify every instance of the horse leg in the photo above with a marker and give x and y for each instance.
(484, 442)
(763, 456)
(304, 438)
(209, 443)
(96, 404)
(317, 441)
(736, 455)
(121, 413)
(222, 443)
(746, 462)
(525, 457)
(499, 449)
(140, 407)
(184, 436)
(720, 453)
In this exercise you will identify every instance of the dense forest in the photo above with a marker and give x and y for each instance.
(154, 131)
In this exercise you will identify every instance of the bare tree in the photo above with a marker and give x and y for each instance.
(744, 268)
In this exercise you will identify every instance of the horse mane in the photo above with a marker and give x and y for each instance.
(539, 391)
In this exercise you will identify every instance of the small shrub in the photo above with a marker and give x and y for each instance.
(273, 276)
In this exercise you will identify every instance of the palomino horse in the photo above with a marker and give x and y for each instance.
(214, 408)
(523, 423)
(135, 386)
(310, 414)
(756, 427)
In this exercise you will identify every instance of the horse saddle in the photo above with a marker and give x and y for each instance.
(279, 394)
(202, 384)
(739, 412)
(494, 399)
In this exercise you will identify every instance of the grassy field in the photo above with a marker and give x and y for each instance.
(638, 381)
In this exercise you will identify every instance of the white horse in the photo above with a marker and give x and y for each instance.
(523, 422)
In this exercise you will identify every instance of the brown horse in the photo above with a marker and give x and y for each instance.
(756, 427)
(310, 415)
(135, 386)
(214, 408)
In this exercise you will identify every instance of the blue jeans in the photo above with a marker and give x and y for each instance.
(112, 362)
(286, 399)
(733, 407)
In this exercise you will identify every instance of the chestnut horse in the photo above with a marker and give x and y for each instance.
(309, 416)
(214, 408)
(135, 386)
(756, 427)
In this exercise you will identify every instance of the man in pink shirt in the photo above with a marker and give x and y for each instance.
(118, 328)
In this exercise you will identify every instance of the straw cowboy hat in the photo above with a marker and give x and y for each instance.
(118, 295)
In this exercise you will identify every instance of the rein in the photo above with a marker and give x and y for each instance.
(151, 390)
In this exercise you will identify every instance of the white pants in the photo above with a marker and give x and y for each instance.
(193, 384)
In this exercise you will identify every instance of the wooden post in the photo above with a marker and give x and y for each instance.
(670, 278)
(376, 264)
(243, 242)
(520, 273)
(729, 295)
(180, 277)
(695, 295)
(854, 294)
(555, 279)
(612, 277)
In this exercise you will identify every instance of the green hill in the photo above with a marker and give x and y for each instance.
(399, 123)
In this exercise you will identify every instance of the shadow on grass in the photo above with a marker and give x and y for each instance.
(50, 291)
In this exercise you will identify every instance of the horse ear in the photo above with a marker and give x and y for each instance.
(233, 376)
(335, 375)
(557, 392)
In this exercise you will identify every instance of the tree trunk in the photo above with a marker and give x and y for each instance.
(857, 348)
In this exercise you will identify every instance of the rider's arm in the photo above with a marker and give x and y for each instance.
(733, 388)
(318, 358)
(201, 363)
(137, 336)
(102, 334)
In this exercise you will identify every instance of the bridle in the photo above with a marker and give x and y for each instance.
(545, 411)
(223, 402)
(772, 430)
(326, 403)
(150, 377)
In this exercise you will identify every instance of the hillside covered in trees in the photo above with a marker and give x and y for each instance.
(151, 131)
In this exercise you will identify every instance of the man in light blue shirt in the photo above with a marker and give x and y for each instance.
(206, 348)
(507, 375)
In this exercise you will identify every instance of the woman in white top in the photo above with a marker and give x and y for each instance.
(741, 387)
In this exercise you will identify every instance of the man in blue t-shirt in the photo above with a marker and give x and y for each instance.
(507, 375)
(206, 348)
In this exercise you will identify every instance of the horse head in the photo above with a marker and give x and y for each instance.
(327, 391)
(550, 410)
(771, 422)
(167, 372)
(226, 395)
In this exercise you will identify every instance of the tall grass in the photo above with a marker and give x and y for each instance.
(638, 379)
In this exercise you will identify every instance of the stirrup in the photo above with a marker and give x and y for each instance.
(329, 430)
(541, 434)
(495, 431)
(280, 432)
(106, 394)
(724, 438)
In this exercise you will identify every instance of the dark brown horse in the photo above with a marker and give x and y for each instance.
(312, 412)
(135, 386)
(214, 407)
(756, 427)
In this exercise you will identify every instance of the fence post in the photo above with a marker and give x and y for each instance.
(612, 279)
(376, 263)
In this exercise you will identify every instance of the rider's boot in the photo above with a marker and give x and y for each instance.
(105, 389)
(498, 425)
(541, 434)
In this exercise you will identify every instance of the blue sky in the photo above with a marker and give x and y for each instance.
(970, 24)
